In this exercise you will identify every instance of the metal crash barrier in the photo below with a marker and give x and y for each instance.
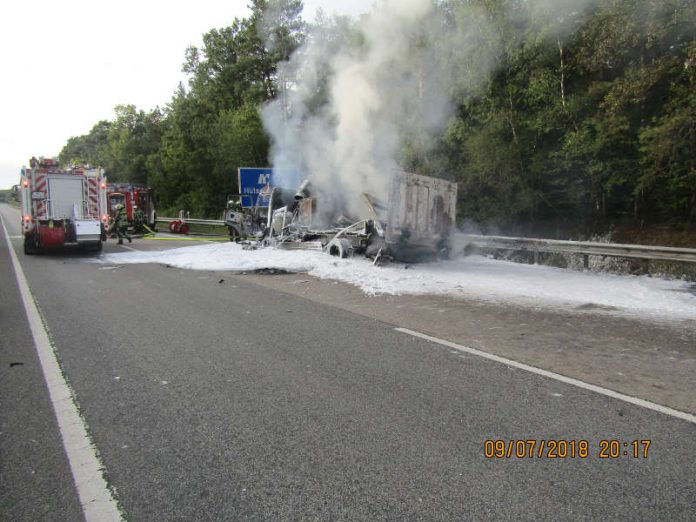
(585, 248)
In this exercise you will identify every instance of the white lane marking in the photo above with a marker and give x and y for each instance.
(562, 378)
(97, 501)
(129, 248)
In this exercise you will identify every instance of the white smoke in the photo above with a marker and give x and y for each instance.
(355, 94)
(372, 81)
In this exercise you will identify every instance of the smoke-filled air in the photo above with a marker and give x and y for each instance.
(357, 93)
(563, 118)
(360, 99)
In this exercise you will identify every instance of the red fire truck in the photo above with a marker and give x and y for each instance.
(129, 195)
(62, 206)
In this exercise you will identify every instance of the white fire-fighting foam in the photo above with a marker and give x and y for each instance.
(472, 277)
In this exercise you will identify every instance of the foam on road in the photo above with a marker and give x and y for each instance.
(467, 277)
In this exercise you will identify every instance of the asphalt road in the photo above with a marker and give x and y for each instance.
(210, 396)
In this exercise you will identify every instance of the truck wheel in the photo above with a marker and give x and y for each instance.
(29, 245)
(340, 248)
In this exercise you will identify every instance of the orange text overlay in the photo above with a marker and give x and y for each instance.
(565, 448)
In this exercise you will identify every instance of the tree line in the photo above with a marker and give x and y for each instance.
(587, 119)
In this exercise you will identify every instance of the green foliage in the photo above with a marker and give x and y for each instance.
(89, 148)
(668, 150)
(561, 114)
(190, 151)
(587, 119)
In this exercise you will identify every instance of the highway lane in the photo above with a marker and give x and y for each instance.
(212, 397)
(637, 356)
(35, 481)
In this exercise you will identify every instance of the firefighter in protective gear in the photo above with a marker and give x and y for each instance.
(121, 224)
(138, 220)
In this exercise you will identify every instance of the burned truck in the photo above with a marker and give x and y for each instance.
(246, 213)
(243, 221)
(415, 223)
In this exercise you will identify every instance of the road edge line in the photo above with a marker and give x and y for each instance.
(555, 376)
(96, 499)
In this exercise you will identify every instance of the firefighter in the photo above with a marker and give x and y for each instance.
(138, 220)
(121, 224)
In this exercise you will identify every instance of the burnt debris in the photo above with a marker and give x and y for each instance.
(414, 224)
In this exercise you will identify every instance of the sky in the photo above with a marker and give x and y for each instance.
(472, 277)
(67, 64)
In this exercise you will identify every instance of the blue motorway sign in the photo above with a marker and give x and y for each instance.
(252, 181)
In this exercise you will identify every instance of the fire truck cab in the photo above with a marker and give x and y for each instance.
(130, 195)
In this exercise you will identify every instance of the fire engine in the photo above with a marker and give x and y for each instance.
(130, 195)
(62, 206)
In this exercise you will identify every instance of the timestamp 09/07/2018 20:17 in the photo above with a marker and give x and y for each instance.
(565, 449)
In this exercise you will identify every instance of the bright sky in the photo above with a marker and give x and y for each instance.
(68, 63)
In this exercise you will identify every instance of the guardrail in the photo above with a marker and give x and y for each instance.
(536, 245)
(211, 222)
(586, 248)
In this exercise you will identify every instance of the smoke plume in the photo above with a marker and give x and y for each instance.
(351, 92)
(356, 95)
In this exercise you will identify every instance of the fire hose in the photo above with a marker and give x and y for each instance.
(179, 227)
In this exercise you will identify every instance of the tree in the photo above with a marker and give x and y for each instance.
(133, 137)
(89, 149)
(667, 184)
(572, 113)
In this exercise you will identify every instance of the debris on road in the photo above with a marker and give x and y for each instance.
(415, 224)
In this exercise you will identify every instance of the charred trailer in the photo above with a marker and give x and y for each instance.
(62, 206)
(417, 221)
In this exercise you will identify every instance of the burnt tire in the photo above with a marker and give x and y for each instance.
(341, 247)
